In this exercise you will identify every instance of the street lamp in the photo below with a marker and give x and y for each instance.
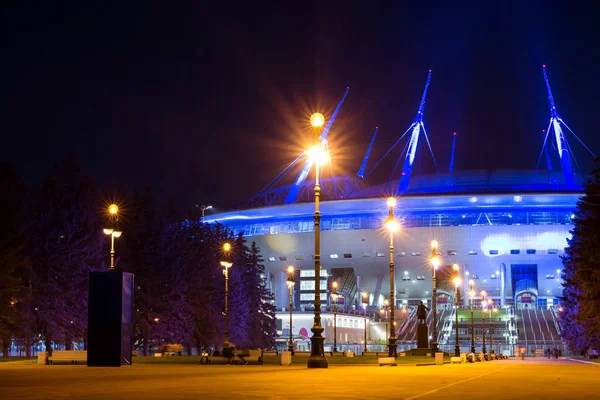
(392, 225)
(456, 344)
(334, 296)
(226, 265)
(203, 209)
(365, 303)
(384, 310)
(114, 232)
(490, 304)
(290, 282)
(318, 156)
(471, 295)
(483, 305)
(435, 262)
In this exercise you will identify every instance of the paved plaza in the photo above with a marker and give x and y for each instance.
(508, 379)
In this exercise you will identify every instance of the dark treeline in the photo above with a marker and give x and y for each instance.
(51, 239)
(580, 305)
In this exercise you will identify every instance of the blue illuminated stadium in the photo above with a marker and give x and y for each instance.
(506, 229)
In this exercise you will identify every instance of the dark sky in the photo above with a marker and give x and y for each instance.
(207, 101)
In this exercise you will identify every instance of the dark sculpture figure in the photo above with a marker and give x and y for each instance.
(422, 313)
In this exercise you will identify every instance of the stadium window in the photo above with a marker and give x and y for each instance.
(282, 258)
(493, 276)
(493, 252)
(530, 251)
(472, 252)
(474, 276)
(515, 251)
(552, 251)
(405, 278)
(347, 255)
(380, 254)
(549, 276)
(452, 252)
(420, 278)
(299, 257)
(307, 273)
(416, 253)
(366, 255)
(272, 259)
(333, 255)
(401, 254)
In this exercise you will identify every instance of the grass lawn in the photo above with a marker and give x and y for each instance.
(466, 315)
(19, 360)
(275, 360)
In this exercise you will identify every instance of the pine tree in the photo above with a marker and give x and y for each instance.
(580, 322)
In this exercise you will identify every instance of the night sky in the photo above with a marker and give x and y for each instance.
(207, 101)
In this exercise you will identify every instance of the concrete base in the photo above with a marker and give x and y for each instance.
(386, 361)
(456, 360)
(422, 336)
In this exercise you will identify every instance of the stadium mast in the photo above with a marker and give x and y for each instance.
(451, 169)
(416, 127)
(293, 193)
(361, 172)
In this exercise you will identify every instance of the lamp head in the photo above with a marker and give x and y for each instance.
(108, 231)
(391, 202)
(290, 282)
(434, 244)
(317, 120)
(483, 293)
(226, 247)
(435, 261)
(318, 155)
(334, 285)
(113, 209)
(386, 303)
(226, 264)
(290, 269)
(471, 293)
(365, 295)
(392, 225)
(455, 267)
(471, 282)
(117, 233)
(456, 282)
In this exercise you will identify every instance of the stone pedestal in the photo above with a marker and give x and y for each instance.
(422, 336)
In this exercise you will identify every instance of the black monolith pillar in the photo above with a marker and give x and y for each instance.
(422, 336)
(110, 326)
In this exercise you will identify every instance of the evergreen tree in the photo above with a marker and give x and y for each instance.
(580, 322)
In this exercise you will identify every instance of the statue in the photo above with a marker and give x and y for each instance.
(422, 313)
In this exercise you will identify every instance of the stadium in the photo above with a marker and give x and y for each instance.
(505, 229)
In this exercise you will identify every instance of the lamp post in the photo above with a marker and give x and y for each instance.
(456, 344)
(318, 157)
(392, 225)
(334, 296)
(113, 232)
(471, 295)
(365, 298)
(290, 282)
(490, 304)
(483, 305)
(226, 265)
(435, 262)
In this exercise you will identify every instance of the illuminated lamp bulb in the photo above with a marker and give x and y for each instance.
(391, 202)
(317, 120)
(113, 209)
(318, 155)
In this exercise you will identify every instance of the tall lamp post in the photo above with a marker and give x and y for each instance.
(456, 344)
(490, 306)
(483, 305)
(114, 232)
(435, 262)
(365, 303)
(203, 209)
(226, 264)
(384, 311)
(392, 225)
(318, 157)
(471, 295)
(334, 296)
(290, 282)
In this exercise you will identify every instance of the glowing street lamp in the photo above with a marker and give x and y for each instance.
(365, 303)
(435, 263)
(113, 211)
(456, 344)
(483, 306)
(393, 226)
(319, 157)
(226, 265)
(290, 282)
(471, 295)
(334, 296)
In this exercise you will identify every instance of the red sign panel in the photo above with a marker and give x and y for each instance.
(442, 300)
(526, 299)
